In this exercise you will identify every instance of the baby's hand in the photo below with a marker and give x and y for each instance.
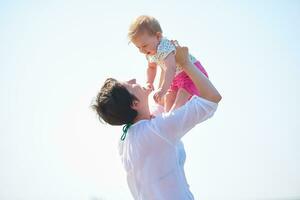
(150, 86)
(158, 95)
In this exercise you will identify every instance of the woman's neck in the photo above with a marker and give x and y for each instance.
(142, 115)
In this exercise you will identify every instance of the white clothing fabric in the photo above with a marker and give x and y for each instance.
(164, 48)
(153, 154)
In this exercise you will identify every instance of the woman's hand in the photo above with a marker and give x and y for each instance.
(208, 91)
(182, 54)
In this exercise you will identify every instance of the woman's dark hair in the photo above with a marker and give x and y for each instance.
(113, 103)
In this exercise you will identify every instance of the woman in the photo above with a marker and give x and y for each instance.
(150, 148)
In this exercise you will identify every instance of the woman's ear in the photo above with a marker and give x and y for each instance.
(135, 104)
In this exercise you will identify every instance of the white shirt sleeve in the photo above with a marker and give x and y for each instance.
(172, 126)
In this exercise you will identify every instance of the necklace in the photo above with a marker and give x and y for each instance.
(125, 130)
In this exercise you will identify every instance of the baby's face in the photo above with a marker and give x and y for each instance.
(147, 44)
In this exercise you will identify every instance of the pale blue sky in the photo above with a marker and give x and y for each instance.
(54, 56)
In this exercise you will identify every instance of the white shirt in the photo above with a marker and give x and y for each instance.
(153, 154)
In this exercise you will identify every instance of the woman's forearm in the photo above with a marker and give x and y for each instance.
(203, 84)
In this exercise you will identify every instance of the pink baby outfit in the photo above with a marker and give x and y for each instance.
(181, 79)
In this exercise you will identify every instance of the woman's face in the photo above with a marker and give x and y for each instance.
(139, 92)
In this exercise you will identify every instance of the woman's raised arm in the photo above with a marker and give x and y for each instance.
(203, 84)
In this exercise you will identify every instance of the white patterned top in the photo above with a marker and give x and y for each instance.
(164, 48)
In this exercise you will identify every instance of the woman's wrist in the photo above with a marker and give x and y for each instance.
(187, 66)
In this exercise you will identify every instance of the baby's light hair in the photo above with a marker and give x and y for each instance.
(144, 23)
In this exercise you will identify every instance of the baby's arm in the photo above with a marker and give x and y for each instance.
(161, 78)
(169, 75)
(151, 73)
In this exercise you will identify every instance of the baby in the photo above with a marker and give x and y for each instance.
(175, 87)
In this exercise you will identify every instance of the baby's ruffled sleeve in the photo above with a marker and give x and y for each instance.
(164, 49)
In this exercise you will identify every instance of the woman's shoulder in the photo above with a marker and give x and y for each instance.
(146, 128)
(140, 128)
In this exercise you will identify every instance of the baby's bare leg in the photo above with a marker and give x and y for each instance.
(169, 100)
(181, 98)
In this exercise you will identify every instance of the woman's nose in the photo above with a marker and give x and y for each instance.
(132, 81)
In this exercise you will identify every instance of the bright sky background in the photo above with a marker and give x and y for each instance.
(55, 55)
